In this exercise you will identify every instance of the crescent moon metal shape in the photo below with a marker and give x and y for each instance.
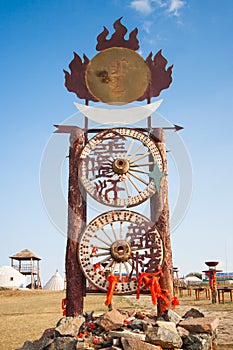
(118, 116)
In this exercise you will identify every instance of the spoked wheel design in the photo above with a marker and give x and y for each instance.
(121, 243)
(116, 165)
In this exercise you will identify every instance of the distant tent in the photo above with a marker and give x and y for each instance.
(56, 282)
(11, 278)
(192, 280)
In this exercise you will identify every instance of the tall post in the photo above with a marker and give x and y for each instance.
(160, 215)
(31, 268)
(75, 289)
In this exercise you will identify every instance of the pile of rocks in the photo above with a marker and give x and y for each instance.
(117, 330)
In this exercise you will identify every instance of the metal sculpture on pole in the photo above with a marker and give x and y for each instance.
(211, 274)
(120, 251)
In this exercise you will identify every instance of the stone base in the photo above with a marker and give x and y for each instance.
(116, 330)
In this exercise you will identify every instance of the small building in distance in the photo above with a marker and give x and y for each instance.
(11, 278)
(28, 264)
(226, 277)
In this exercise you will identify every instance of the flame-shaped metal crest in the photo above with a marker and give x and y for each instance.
(118, 38)
(75, 81)
(113, 75)
(161, 77)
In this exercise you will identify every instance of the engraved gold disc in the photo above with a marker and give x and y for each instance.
(117, 76)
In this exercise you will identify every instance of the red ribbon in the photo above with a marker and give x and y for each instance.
(63, 306)
(94, 250)
(175, 302)
(212, 279)
(151, 280)
(112, 284)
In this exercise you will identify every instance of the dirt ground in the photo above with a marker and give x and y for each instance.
(25, 315)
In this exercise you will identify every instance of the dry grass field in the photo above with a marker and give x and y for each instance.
(26, 314)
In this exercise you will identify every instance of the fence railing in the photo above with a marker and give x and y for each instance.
(26, 268)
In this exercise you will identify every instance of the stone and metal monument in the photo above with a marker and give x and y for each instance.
(122, 168)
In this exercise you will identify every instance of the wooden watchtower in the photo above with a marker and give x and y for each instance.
(28, 264)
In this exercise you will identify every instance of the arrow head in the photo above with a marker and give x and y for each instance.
(178, 128)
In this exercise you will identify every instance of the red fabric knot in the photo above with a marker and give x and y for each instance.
(151, 281)
(113, 280)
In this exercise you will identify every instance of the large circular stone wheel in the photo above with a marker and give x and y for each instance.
(121, 243)
(116, 165)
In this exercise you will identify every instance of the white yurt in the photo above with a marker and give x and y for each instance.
(55, 283)
(192, 280)
(11, 278)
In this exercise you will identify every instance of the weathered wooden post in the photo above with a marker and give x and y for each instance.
(160, 215)
(76, 222)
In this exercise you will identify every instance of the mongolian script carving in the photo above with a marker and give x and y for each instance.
(118, 69)
(148, 241)
(118, 229)
(115, 167)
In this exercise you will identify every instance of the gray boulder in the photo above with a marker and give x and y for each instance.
(197, 342)
(69, 326)
(172, 316)
(193, 313)
(164, 337)
(133, 344)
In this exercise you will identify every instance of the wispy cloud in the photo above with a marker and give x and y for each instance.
(160, 3)
(147, 26)
(142, 6)
(175, 6)
(146, 7)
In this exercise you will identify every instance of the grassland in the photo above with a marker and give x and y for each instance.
(24, 315)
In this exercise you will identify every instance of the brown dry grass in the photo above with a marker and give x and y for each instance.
(24, 315)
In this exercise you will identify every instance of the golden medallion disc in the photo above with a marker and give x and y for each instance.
(117, 76)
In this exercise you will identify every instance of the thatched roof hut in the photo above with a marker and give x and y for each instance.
(27, 263)
(25, 254)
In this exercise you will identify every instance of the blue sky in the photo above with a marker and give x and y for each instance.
(37, 42)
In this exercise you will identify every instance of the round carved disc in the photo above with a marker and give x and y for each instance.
(115, 167)
(122, 243)
(117, 76)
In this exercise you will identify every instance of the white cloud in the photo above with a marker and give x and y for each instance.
(147, 26)
(160, 3)
(146, 7)
(143, 6)
(175, 6)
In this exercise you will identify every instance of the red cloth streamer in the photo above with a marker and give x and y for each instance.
(97, 266)
(112, 284)
(212, 279)
(94, 250)
(175, 302)
(63, 306)
(151, 280)
(82, 335)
